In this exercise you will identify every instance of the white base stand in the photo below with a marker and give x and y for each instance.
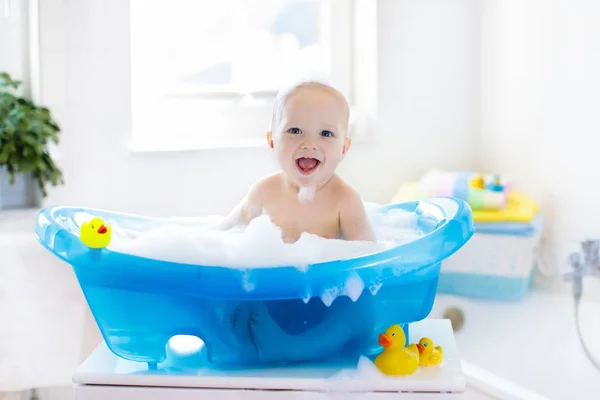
(187, 375)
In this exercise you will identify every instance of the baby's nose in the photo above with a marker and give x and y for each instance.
(309, 144)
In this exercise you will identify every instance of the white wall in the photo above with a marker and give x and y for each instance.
(14, 56)
(428, 89)
(540, 97)
(428, 97)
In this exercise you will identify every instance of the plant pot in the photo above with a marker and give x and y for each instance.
(22, 194)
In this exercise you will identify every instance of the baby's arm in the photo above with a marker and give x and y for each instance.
(355, 224)
(249, 208)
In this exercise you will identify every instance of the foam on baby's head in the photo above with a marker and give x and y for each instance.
(320, 82)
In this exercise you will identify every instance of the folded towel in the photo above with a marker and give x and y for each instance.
(520, 207)
(511, 228)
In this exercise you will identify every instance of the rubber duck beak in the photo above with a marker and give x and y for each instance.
(384, 340)
(420, 347)
(102, 230)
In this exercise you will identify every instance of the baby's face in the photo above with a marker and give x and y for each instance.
(310, 138)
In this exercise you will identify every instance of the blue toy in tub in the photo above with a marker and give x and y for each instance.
(140, 303)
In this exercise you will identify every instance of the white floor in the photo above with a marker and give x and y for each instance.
(66, 394)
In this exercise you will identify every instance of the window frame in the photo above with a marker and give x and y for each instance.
(354, 56)
(359, 81)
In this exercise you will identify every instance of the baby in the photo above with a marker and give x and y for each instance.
(309, 137)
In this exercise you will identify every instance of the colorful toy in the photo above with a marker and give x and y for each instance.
(95, 233)
(396, 359)
(495, 185)
(255, 316)
(468, 186)
(429, 355)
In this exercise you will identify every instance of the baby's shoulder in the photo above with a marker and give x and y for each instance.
(265, 186)
(347, 196)
(269, 182)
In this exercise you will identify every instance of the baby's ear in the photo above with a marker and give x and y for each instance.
(347, 145)
(270, 139)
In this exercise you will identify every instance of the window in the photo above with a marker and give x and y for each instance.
(205, 73)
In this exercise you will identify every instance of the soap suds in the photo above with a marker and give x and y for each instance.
(329, 295)
(354, 286)
(306, 193)
(247, 283)
(364, 378)
(374, 288)
(259, 245)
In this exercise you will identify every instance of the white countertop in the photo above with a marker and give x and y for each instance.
(532, 343)
(18, 221)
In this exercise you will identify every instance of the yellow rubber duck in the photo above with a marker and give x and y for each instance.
(477, 182)
(396, 359)
(95, 233)
(429, 355)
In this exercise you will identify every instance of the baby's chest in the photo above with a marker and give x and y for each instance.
(293, 221)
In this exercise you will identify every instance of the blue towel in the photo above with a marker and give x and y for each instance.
(510, 228)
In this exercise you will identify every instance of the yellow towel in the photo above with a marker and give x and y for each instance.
(520, 206)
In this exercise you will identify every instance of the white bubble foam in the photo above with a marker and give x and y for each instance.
(258, 245)
(329, 295)
(354, 286)
(247, 283)
(364, 378)
(374, 288)
(307, 193)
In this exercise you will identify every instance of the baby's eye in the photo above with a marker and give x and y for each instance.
(326, 133)
(295, 131)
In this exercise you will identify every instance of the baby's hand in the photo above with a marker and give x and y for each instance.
(355, 224)
(249, 208)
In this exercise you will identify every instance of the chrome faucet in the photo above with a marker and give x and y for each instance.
(583, 263)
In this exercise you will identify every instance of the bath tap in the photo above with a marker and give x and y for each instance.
(583, 263)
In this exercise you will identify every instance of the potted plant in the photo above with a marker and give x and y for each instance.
(26, 167)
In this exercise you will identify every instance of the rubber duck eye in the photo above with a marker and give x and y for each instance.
(394, 334)
(425, 344)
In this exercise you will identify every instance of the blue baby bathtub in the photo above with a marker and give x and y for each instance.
(140, 303)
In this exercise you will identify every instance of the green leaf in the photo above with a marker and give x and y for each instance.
(7, 81)
(25, 129)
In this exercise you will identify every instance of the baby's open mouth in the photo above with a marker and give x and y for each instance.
(307, 165)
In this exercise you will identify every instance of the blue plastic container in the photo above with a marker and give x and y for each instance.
(140, 303)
